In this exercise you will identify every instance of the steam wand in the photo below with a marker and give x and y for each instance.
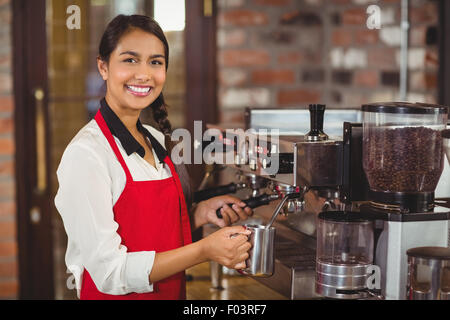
(287, 197)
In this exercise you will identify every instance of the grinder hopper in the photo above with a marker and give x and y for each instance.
(446, 141)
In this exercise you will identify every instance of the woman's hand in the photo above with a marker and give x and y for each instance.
(228, 246)
(206, 211)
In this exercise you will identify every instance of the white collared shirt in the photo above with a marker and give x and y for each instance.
(91, 180)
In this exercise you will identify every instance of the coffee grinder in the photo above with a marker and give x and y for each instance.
(403, 159)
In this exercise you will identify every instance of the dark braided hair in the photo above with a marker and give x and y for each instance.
(118, 27)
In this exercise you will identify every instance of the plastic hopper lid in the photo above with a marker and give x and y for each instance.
(436, 253)
(404, 108)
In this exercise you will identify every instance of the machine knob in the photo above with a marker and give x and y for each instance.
(237, 160)
(293, 206)
(252, 164)
(264, 163)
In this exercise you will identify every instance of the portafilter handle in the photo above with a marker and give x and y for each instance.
(254, 202)
(286, 197)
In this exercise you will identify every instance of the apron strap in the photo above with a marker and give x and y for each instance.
(107, 133)
(186, 226)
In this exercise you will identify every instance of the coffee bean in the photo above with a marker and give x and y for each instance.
(407, 159)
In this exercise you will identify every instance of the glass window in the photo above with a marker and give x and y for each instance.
(170, 14)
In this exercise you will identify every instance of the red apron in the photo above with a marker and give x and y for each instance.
(152, 216)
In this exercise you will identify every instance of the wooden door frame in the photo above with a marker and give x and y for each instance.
(201, 69)
(444, 52)
(35, 252)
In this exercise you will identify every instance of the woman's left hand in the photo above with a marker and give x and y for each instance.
(231, 208)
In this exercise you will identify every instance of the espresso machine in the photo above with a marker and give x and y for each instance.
(290, 162)
(378, 166)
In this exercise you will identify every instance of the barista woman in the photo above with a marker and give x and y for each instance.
(120, 197)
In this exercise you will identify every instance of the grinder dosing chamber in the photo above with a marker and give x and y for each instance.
(345, 245)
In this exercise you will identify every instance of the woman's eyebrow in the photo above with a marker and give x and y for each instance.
(131, 53)
(157, 56)
(137, 55)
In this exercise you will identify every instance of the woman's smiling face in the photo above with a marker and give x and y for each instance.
(136, 71)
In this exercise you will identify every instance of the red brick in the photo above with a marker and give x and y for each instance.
(5, 83)
(290, 58)
(8, 248)
(232, 77)
(272, 2)
(297, 96)
(233, 38)
(7, 229)
(420, 81)
(366, 37)
(6, 103)
(8, 269)
(7, 208)
(9, 289)
(273, 77)
(5, 16)
(341, 37)
(300, 17)
(6, 125)
(355, 16)
(243, 18)
(382, 58)
(366, 78)
(7, 168)
(5, 61)
(231, 116)
(431, 59)
(431, 80)
(239, 58)
(417, 35)
(7, 189)
(7, 146)
(4, 2)
(426, 13)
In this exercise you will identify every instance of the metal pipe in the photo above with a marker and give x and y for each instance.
(404, 50)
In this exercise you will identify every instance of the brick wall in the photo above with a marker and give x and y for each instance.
(281, 53)
(8, 234)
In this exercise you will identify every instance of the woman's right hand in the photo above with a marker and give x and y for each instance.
(228, 246)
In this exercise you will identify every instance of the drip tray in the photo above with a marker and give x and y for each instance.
(295, 270)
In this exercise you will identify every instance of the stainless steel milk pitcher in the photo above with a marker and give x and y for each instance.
(261, 255)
